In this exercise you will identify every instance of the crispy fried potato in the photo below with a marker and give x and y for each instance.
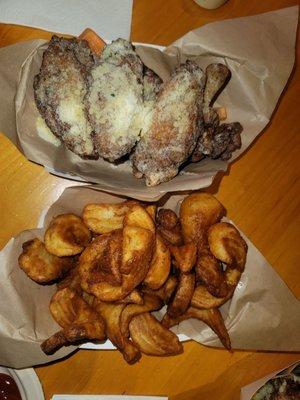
(93, 330)
(160, 265)
(133, 298)
(203, 299)
(197, 212)
(137, 216)
(77, 318)
(167, 218)
(71, 280)
(183, 295)
(138, 245)
(152, 338)
(67, 306)
(184, 256)
(211, 317)
(111, 313)
(210, 272)
(104, 217)
(66, 235)
(151, 303)
(168, 226)
(151, 210)
(165, 292)
(40, 265)
(101, 260)
(227, 245)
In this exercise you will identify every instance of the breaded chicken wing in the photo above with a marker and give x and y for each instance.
(114, 100)
(59, 90)
(172, 131)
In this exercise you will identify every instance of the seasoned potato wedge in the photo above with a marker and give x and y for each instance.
(184, 257)
(152, 338)
(160, 265)
(183, 295)
(139, 217)
(227, 245)
(101, 260)
(151, 209)
(151, 303)
(203, 299)
(77, 318)
(67, 235)
(211, 317)
(40, 265)
(105, 217)
(197, 212)
(133, 298)
(111, 314)
(165, 291)
(138, 246)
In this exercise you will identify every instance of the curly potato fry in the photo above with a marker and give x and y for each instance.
(67, 235)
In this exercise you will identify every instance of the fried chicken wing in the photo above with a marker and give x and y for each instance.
(171, 131)
(215, 140)
(152, 84)
(114, 100)
(59, 90)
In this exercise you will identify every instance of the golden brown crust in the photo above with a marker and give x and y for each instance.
(152, 338)
(160, 265)
(111, 313)
(66, 235)
(183, 295)
(42, 266)
(211, 317)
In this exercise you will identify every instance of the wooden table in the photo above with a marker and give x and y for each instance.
(260, 192)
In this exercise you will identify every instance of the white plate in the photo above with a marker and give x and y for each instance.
(27, 381)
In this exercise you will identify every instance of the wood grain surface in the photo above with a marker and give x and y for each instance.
(260, 191)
